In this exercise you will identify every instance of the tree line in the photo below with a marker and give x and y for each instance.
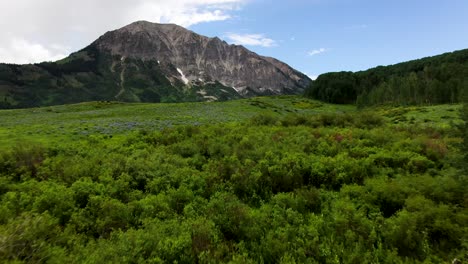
(433, 80)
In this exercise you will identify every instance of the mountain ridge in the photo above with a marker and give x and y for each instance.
(149, 62)
(196, 55)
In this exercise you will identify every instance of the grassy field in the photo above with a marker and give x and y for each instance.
(262, 180)
(79, 121)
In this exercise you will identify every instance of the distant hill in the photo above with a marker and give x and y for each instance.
(149, 62)
(432, 80)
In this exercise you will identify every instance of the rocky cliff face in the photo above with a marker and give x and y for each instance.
(200, 59)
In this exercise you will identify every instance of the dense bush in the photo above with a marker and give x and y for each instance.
(331, 188)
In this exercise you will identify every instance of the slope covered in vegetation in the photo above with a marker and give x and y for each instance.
(433, 80)
(280, 179)
(89, 75)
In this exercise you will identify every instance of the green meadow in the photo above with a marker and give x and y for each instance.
(263, 180)
(79, 121)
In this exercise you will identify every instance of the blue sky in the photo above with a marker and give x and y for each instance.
(313, 36)
(318, 36)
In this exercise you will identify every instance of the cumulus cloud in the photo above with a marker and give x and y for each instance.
(317, 51)
(184, 12)
(17, 50)
(39, 27)
(250, 40)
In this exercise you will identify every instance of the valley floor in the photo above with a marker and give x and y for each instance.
(271, 179)
(79, 121)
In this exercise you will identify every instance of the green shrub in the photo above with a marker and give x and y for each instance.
(263, 120)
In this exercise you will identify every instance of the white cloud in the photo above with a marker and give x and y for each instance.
(251, 39)
(184, 12)
(39, 27)
(312, 77)
(21, 51)
(317, 51)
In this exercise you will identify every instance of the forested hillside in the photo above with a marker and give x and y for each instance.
(89, 75)
(434, 80)
(298, 182)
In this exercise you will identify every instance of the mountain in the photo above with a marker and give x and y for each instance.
(433, 80)
(149, 62)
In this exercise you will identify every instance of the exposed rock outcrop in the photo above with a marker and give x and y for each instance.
(203, 59)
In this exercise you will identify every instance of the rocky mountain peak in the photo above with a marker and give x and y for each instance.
(201, 58)
(152, 28)
(149, 62)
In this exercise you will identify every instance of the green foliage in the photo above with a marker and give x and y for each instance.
(315, 184)
(434, 80)
(339, 88)
(89, 75)
(97, 121)
(31, 238)
(464, 129)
